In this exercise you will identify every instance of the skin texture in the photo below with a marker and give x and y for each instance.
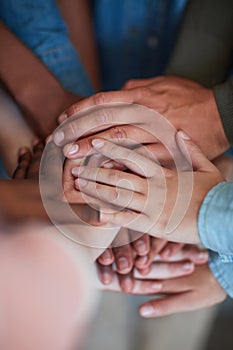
(188, 293)
(177, 294)
(141, 207)
(186, 104)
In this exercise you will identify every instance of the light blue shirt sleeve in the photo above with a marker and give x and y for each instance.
(222, 272)
(215, 221)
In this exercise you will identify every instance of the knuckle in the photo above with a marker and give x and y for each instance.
(99, 98)
(129, 84)
(72, 130)
(144, 91)
(103, 116)
(118, 133)
(113, 177)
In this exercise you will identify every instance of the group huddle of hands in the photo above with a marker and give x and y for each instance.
(118, 173)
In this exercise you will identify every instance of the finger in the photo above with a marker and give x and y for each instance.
(113, 195)
(123, 259)
(163, 270)
(120, 134)
(188, 252)
(80, 126)
(166, 306)
(98, 99)
(24, 161)
(135, 83)
(107, 257)
(170, 249)
(126, 282)
(143, 263)
(125, 218)
(110, 177)
(193, 253)
(141, 245)
(33, 169)
(105, 273)
(131, 159)
(190, 149)
(158, 153)
(140, 287)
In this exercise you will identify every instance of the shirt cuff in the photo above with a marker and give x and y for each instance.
(222, 272)
(215, 224)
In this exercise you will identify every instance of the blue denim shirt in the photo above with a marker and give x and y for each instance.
(215, 226)
(215, 221)
(39, 25)
(134, 38)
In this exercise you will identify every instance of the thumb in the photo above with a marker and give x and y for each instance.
(191, 151)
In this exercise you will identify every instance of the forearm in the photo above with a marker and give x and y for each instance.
(77, 14)
(35, 89)
(204, 48)
(14, 132)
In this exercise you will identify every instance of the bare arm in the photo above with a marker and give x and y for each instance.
(77, 14)
(31, 84)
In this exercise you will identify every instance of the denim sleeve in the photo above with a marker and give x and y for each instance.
(215, 221)
(222, 272)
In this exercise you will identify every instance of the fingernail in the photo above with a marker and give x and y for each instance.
(22, 151)
(142, 260)
(202, 256)
(59, 137)
(73, 149)
(166, 253)
(82, 182)
(183, 135)
(140, 246)
(106, 278)
(147, 310)
(157, 286)
(106, 256)
(62, 117)
(97, 143)
(188, 267)
(104, 217)
(75, 171)
(36, 141)
(108, 165)
(122, 263)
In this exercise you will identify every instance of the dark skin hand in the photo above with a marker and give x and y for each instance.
(21, 198)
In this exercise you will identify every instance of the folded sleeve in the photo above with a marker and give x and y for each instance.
(222, 272)
(215, 220)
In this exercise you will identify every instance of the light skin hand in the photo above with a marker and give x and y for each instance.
(188, 293)
(186, 104)
(142, 261)
(140, 215)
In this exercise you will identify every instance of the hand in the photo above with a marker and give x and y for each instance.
(43, 120)
(186, 104)
(188, 293)
(144, 208)
(191, 292)
(140, 255)
(21, 196)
